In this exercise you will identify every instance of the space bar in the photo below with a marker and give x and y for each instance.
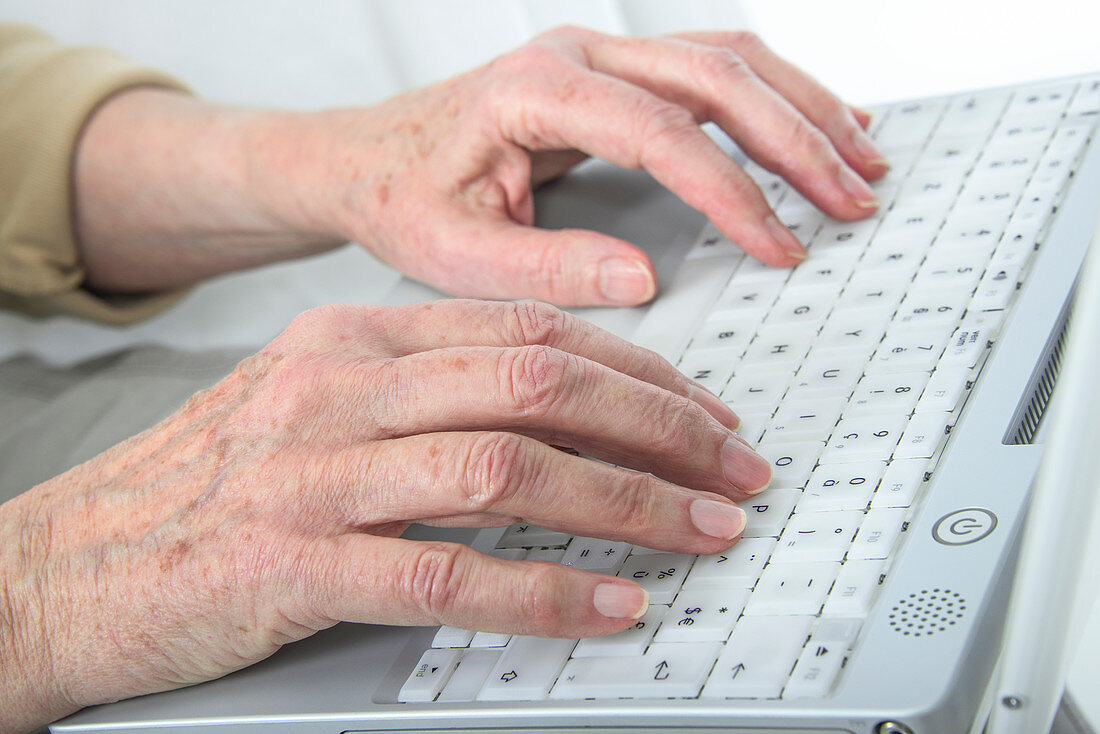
(693, 290)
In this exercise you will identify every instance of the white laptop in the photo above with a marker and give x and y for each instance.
(897, 380)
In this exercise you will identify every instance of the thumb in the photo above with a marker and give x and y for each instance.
(570, 267)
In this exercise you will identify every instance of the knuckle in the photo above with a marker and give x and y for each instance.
(630, 504)
(663, 127)
(681, 426)
(540, 602)
(746, 40)
(535, 323)
(536, 378)
(721, 65)
(433, 581)
(495, 469)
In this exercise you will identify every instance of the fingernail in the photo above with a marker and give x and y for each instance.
(784, 238)
(626, 281)
(621, 601)
(867, 149)
(714, 405)
(717, 519)
(857, 188)
(744, 468)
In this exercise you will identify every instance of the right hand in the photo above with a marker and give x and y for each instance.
(270, 506)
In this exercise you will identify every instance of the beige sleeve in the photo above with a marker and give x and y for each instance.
(47, 92)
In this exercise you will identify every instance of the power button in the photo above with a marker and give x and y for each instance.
(963, 527)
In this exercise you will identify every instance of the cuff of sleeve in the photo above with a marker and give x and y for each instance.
(49, 91)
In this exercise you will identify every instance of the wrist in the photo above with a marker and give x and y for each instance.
(30, 694)
(168, 193)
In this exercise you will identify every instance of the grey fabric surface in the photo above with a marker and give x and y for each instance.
(53, 418)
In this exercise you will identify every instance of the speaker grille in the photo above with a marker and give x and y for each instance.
(927, 612)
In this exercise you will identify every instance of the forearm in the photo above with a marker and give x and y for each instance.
(168, 191)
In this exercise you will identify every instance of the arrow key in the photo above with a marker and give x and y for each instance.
(758, 658)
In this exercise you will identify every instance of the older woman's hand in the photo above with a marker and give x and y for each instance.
(268, 507)
(438, 182)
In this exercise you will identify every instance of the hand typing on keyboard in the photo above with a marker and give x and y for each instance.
(269, 506)
(438, 182)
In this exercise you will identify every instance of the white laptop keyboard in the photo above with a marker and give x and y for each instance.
(847, 373)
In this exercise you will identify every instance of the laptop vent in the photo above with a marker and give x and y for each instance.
(1030, 417)
(928, 612)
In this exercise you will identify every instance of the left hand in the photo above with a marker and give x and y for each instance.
(438, 182)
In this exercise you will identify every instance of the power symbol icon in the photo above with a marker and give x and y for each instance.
(963, 527)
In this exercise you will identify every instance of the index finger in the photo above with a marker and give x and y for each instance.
(633, 128)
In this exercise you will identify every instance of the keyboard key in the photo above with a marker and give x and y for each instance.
(792, 588)
(660, 574)
(857, 330)
(712, 243)
(887, 392)
(864, 438)
(767, 513)
(665, 671)
(632, 641)
(996, 289)
(831, 374)
(429, 675)
(490, 639)
(755, 387)
(748, 301)
(595, 554)
(854, 589)
(526, 669)
(448, 636)
(802, 306)
(954, 152)
(802, 419)
(900, 483)
(931, 304)
(757, 661)
(830, 272)
(944, 389)
(523, 535)
(878, 534)
(873, 293)
(711, 368)
(728, 333)
(791, 462)
(910, 349)
(738, 567)
(973, 114)
(910, 123)
(702, 615)
(835, 487)
(924, 434)
(548, 555)
(838, 239)
(816, 669)
(817, 536)
(968, 343)
(780, 346)
(466, 681)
